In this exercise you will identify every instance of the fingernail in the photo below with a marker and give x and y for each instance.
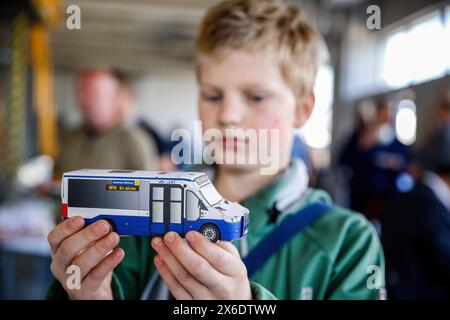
(77, 222)
(156, 242)
(115, 237)
(120, 253)
(102, 227)
(190, 236)
(170, 237)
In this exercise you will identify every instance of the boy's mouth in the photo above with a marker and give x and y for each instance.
(233, 141)
(229, 141)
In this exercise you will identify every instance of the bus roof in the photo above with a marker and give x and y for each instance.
(133, 174)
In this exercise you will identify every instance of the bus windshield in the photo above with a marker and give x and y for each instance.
(210, 194)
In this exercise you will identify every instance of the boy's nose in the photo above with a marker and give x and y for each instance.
(231, 112)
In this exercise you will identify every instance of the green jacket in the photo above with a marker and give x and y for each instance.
(337, 257)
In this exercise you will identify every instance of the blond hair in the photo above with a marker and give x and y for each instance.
(259, 26)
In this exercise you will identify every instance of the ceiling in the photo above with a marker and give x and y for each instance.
(133, 35)
(142, 35)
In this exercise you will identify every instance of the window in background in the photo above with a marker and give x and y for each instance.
(417, 53)
(406, 122)
(317, 131)
(428, 48)
(397, 60)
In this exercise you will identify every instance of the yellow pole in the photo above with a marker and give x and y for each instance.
(43, 95)
(18, 93)
(50, 12)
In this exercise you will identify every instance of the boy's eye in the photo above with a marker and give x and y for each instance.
(211, 97)
(256, 98)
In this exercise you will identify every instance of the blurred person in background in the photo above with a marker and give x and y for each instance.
(102, 141)
(440, 134)
(416, 225)
(374, 159)
(133, 119)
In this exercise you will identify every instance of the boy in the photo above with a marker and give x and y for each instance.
(256, 66)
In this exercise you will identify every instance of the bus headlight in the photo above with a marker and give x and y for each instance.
(232, 219)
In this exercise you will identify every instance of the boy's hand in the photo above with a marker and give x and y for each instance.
(92, 249)
(203, 270)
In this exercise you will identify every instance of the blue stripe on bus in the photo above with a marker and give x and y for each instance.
(128, 178)
(139, 226)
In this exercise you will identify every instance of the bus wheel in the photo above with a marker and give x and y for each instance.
(211, 232)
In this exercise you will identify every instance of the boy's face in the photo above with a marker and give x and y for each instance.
(245, 90)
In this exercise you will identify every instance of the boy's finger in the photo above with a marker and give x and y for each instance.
(228, 246)
(186, 279)
(192, 261)
(92, 256)
(175, 287)
(219, 258)
(63, 230)
(72, 245)
(95, 278)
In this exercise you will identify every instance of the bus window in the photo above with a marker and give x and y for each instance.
(175, 194)
(157, 212)
(175, 212)
(128, 200)
(175, 205)
(158, 194)
(192, 206)
(87, 193)
(158, 205)
(210, 194)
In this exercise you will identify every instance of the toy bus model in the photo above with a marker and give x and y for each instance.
(150, 203)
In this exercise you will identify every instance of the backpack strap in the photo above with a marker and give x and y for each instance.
(286, 230)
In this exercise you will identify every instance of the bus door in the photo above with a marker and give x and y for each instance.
(166, 208)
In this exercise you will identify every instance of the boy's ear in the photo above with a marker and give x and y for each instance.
(304, 108)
